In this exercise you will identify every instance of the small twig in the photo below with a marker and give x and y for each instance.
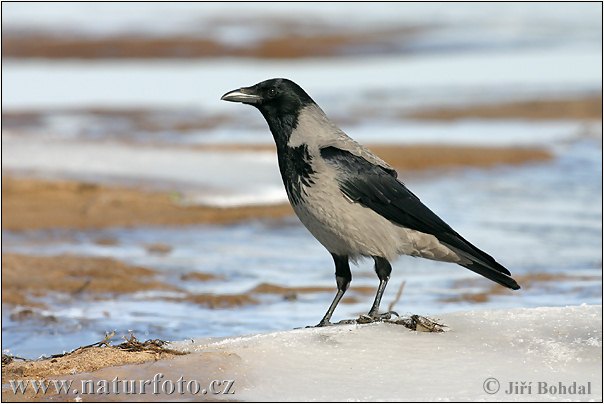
(132, 344)
(6, 359)
(82, 287)
(399, 293)
(104, 342)
(419, 323)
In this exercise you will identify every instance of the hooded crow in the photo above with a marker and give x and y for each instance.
(350, 199)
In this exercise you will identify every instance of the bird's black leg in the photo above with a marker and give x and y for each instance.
(383, 270)
(343, 278)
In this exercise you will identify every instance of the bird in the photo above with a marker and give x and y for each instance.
(350, 199)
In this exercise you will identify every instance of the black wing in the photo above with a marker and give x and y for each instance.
(379, 190)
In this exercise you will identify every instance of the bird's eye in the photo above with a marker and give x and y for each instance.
(272, 92)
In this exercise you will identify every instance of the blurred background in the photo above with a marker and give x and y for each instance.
(133, 199)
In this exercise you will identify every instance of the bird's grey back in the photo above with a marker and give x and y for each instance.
(315, 130)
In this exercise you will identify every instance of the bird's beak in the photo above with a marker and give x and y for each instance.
(245, 95)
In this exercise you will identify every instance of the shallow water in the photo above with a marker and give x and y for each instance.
(501, 210)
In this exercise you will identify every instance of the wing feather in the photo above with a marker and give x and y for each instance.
(376, 187)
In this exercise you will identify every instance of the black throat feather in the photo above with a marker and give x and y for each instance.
(294, 162)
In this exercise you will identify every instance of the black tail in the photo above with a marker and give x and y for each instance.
(493, 274)
(482, 263)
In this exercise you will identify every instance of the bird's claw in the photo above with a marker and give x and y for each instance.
(375, 318)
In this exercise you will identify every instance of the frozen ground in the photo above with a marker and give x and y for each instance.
(483, 352)
(398, 80)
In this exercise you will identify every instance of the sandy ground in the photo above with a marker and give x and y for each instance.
(39, 204)
(109, 363)
(80, 361)
(581, 108)
(25, 277)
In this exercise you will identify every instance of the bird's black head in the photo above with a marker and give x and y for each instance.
(279, 101)
(278, 96)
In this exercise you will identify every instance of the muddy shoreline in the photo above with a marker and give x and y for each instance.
(295, 42)
(29, 203)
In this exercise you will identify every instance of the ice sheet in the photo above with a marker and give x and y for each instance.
(388, 362)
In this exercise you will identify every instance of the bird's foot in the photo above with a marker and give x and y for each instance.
(414, 322)
(363, 319)
(317, 326)
(375, 318)
(322, 323)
